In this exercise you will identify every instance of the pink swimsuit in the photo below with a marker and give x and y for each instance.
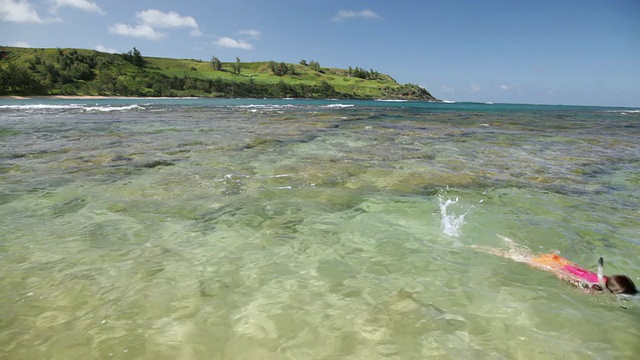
(563, 266)
(583, 274)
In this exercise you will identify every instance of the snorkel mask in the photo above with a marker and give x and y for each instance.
(624, 300)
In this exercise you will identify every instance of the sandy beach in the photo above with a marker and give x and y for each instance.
(87, 97)
(56, 97)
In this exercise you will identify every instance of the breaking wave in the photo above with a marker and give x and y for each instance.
(339, 105)
(70, 107)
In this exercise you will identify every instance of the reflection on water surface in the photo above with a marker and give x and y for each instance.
(199, 230)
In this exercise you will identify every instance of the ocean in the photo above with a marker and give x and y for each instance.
(307, 229)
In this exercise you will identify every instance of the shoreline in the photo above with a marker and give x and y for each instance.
(71, 97)
(101, 97)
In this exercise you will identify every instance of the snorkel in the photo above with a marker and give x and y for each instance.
(621, 285)
(601, 280)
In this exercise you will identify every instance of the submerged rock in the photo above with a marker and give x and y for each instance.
(69, 206)
(260, 142)
(120, 158)
(157, 163)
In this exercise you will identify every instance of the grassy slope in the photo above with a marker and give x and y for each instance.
(259, 72)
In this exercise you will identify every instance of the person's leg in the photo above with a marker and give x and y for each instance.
(492, 251)
(514, 252)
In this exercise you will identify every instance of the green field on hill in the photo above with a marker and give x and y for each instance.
(30, 71)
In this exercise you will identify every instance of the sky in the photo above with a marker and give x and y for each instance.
(572, 52)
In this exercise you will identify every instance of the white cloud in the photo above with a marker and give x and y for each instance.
(103, 48)
(22, 11)
(251, 33)
(233, 43)
(86, 5)
(19, 11)
(152, 19)
(157, 19)
(447, 89)
(474, 88)
(22, 44)
(349, 14)
(140, 31)
(516, 88)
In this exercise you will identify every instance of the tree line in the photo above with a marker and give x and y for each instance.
(88, 72)
(364, 74)
(39, 74)
(73, 72)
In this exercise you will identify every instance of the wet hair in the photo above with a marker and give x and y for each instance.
(621, 284)
(617, 284)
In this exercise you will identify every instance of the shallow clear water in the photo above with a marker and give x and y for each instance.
(256, 229)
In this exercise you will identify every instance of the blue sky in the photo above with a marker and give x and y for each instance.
(584, 52)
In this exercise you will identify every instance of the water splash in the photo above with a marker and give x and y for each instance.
(450, 223)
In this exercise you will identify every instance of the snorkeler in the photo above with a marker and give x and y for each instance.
(565, 269)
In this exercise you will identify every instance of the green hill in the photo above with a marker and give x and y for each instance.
(29, 71)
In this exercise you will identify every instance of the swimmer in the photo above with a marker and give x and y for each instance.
(565, 269)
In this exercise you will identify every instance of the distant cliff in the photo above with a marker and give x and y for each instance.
(30, 71)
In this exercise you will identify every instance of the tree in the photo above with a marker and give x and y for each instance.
(282, 89)
(216, 63)
(252, 85)
(364, 74)
(274, 67)
(314, 65)
(4, 81)
(105, 82)
(326, 90)
(137, 58)
(19, 79)
(134, 57)
(281, 69)
(236, 66)
(303, 62)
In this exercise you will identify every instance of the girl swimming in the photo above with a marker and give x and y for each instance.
(565, 269)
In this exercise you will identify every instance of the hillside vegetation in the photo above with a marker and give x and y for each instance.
(29, 71)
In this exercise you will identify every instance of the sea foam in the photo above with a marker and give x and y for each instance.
(340, 105)
(67, 107)
(450, 223)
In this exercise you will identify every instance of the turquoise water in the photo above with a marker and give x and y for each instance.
(298, 229)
